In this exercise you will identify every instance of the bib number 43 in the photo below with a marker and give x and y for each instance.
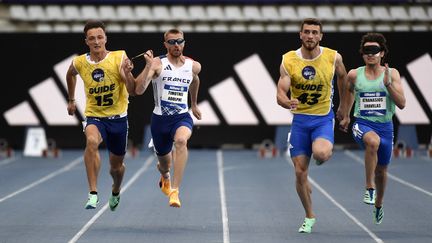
(310, 99)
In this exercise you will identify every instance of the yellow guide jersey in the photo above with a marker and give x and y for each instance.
(311, 80)
(106, 93)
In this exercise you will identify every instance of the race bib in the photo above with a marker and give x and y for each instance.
(373, 103)
(175, 94)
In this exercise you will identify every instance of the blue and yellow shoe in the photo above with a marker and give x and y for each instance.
(369, 196)
(378, 215)
(307, 225)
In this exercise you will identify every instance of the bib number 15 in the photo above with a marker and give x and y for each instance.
(104, 100)
(310, 99)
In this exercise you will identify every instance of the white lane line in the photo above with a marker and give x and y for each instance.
(342, 208)
(45, 178)
(393, 177)
(145, 166)
(8, 161)
(225, 226)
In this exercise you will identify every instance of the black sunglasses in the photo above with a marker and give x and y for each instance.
(178, 41)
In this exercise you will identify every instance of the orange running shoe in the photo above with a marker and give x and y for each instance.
(165, 185)
(174, 200)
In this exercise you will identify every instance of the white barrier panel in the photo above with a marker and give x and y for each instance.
(35, 142)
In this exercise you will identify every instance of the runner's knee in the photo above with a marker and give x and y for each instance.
(322, 154)
(92, 142)
(372, 143)
(180, 143)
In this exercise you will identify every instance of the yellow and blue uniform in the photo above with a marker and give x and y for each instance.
(106, 93)
(312, 84)
(107, 98)
(373, 110)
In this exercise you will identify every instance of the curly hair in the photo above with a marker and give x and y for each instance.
(378, 38)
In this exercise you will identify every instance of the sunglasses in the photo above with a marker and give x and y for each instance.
(178, 41)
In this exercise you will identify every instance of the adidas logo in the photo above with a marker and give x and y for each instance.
(52, 107)
(413, 112)
(226, 94)
(262, 89)
(233, 105)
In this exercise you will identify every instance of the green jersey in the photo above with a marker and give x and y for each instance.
(372, 99)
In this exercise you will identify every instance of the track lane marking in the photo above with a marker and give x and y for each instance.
(45, 178)
(342, 208)
(224, 211)
(391, 176)
(84, 229)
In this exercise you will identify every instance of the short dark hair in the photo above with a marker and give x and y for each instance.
(311, 21)
(93, 24)
(378, 38)
(172, 31)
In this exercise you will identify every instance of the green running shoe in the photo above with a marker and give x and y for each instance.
(92, 201)
(378, 215)
(369, 196)
(307, 225)
(114, 202)
(318, 162)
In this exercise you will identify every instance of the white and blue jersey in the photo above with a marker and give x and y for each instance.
(171, 88)
(170, 91)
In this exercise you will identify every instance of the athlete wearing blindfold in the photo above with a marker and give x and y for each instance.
(376, 90)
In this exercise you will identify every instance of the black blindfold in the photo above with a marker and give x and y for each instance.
(371, 50)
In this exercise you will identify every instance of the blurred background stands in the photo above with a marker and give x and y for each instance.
(337, 16)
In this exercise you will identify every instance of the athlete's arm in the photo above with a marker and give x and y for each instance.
(126, 75)
(394, 87)
(193, 89)
(71, 84)
(341, 74)
(282, 90)
(151, 70)
(347, 102)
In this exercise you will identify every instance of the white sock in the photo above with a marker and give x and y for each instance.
(166, 175)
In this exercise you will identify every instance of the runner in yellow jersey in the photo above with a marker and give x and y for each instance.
(107, 90)
(307, 73)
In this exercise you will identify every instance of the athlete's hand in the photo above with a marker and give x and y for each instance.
(344, 123)
(148, 56)
(293, 103)
(196, 112)
(71, 108)
(339, 114)
(127, 65)
(386, 79)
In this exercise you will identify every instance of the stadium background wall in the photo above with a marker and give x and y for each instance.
(29, 59)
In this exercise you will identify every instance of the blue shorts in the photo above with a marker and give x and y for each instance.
(383, 130)
(113, 131)
(306, 128)
(163, 129)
